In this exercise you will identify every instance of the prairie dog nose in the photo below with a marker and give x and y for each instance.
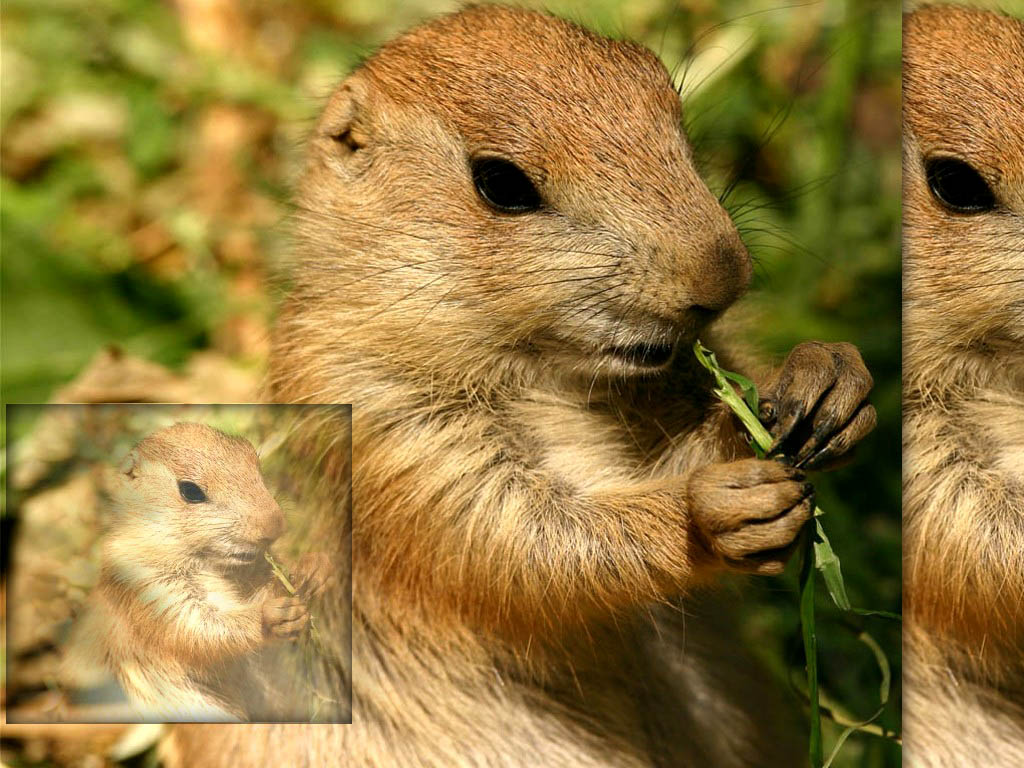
(722, 273)
(270, 526)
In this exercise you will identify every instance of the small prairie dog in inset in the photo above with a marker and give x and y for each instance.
(504, 257)
(963, 429)
(186, 598)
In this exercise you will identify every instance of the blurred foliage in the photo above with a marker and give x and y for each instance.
(148, 149)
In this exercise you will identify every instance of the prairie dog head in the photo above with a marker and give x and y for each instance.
(963, 170)
(202, 491)
(500, 185)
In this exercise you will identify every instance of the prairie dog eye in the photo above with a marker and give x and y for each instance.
(191, 492)
(503, 185)
(957, 186)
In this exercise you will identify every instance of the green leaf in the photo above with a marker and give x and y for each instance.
(826, 561)
(762, 440)
(747, 387)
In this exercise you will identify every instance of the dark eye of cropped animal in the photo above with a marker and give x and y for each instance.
(957, 186)
(191, 492)
(503, 185)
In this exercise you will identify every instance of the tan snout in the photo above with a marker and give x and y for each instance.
(695, 278)
(268, 525)
(722, 273)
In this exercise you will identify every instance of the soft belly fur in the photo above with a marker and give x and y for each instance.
(674, 693)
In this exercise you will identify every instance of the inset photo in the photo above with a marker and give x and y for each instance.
(178, 563)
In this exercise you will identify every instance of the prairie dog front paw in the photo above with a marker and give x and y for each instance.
(750, 512)
(816, 407)
(284, 617)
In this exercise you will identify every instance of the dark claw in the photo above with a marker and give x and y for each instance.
(813, 444)
(827, 460)
(816, 460)
(842, 442)
(793, 414)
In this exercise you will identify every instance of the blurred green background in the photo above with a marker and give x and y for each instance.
(148, 148)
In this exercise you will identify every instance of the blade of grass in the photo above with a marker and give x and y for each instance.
(279, 573)
(761, 440)
(316, 646)
(283, 578)
(810, 639)
(741, 406)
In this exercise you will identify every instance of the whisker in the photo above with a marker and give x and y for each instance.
(305, 212)
(332, 269)
(412, 265)
(503, 288)
(958, 289)
(580, 305)
(434, 306)
(955, 271)
(409, 295)
(597, 308)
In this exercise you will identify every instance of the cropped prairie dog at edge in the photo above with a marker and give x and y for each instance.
(504, 255)
(963, 426)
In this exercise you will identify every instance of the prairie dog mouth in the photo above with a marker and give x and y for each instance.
(242, 556)
(650, 355)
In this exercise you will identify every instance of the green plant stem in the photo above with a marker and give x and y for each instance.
(286, 583)
(761, 441)
(810, 638)
(279, 573)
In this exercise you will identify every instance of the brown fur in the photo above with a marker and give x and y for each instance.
(175, 618)
(529, 506)
(964, 394)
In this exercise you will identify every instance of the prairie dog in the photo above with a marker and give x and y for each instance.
(963, 374)
(505, 253)
(186, 598)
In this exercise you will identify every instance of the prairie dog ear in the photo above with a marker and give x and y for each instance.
(344, 118)
(130, 465)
